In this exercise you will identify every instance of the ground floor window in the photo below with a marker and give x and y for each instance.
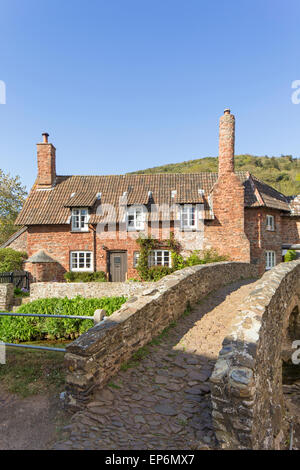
(81, 261)
(270, 259)
(136, 256)
(160, 258)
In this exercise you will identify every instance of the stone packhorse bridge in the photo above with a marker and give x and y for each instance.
(247, 392)
(177, 392)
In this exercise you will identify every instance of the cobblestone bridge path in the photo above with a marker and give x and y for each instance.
(163, 400)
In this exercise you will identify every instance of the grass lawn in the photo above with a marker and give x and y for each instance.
(29, 372)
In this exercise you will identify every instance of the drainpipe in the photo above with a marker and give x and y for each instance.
(94, 247)
(259, 230)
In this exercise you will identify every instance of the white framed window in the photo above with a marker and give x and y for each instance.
(79, 220)
(270, 222)
(136, 255)
(160, 258)
(81, 261)
(135, 218)
(270, 259)
(188, 217)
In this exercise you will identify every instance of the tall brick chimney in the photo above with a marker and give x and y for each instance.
(226, 143)
(229, 236)
(46, 157)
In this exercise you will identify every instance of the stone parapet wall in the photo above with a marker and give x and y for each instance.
(98, 354)
(41, 290)
(6, 296)
(247, 397)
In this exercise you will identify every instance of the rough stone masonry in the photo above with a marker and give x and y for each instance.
(98, 354)
(249, 409)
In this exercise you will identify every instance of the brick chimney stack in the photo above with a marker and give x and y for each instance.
(46, 157)
(226, 143)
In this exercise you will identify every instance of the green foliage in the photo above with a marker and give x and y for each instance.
(146, 245)
(12, 196)
(178, 261)
(155, 273)
(21, 292)
(196, 257)
(11, 260)
(290, 256)
(98, 276)
(283, 173)
(16, 329)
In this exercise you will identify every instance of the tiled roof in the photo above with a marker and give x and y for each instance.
(52, 206)
(270, 196)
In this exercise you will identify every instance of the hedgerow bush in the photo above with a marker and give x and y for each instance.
(290, 256)
(98, 276)
(11, 260)
(17, 329)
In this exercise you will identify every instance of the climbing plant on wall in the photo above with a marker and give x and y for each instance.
(147, 244)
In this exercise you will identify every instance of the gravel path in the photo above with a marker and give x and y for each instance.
(164, 401)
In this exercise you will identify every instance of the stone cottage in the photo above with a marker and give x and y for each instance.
(233, 212)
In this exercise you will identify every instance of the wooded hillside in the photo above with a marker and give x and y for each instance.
(283, 173)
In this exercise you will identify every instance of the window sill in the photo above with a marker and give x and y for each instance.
(80, 231)
(81, 270)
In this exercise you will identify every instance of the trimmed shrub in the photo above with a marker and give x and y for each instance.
(290, 256)
(11, 260)
(17, 329)
(98, 276)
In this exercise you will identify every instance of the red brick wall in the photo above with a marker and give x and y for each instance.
(46, 164)
(237, 232)
(57, 241)
(43, 272)
(291, 230)
(262, 239)
(226, 232)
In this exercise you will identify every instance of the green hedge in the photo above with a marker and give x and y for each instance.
(98, 276)
(290, 256)
(11, 260)
(17, 329)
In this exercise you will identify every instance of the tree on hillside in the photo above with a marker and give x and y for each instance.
(12, 196)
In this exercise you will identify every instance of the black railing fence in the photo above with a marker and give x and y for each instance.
(19, 279)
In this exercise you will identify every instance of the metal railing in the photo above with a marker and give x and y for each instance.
(98, 317)
(17, 278)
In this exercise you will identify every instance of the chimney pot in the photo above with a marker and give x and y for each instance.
(227, 111)
(45, 137)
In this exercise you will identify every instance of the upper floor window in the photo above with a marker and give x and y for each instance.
(160, 258)
(135, 218)
(270, 259)
(270, 222)
(188, 216)
(81, 261)
(80, 220)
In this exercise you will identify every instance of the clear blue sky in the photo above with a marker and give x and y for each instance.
(122, 85)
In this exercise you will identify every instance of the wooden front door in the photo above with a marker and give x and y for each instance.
(117, 266)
